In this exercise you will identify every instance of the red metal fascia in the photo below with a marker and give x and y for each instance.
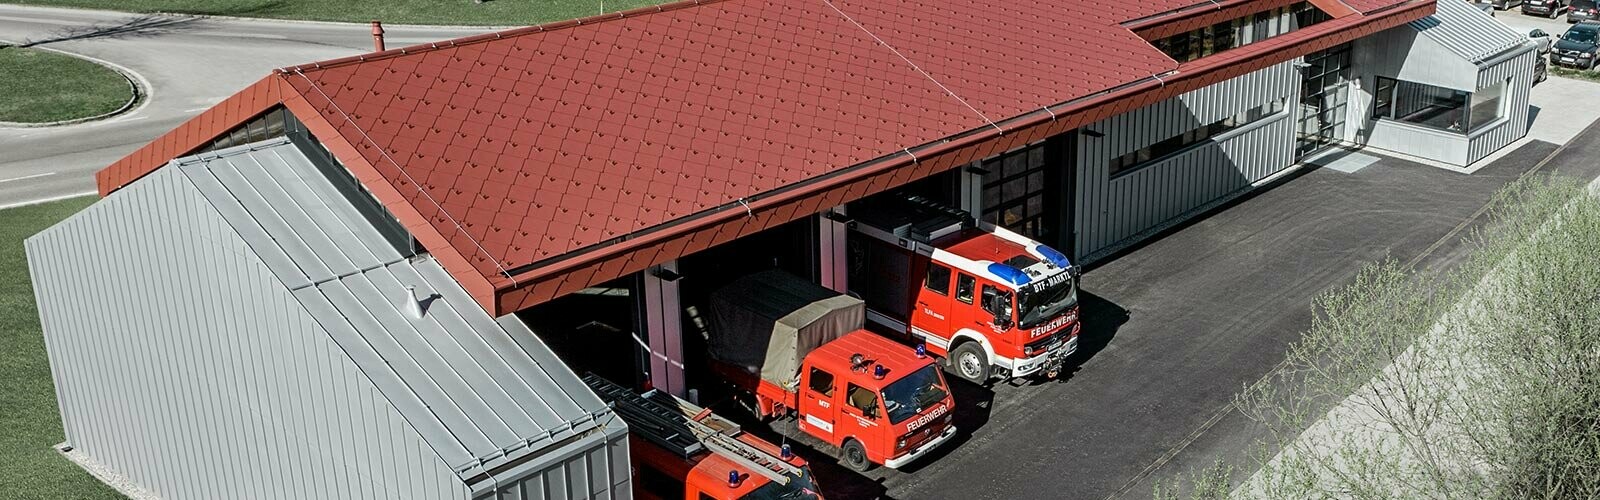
(1156, 29)
(191, 135)
(314, 111)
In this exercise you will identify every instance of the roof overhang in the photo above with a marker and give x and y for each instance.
(516, 289)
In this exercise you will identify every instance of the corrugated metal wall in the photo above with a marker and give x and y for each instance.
(1111, 210)
(578, 470)
(1519, 69)
(181, 362)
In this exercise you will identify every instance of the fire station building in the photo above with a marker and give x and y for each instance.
(377, 276)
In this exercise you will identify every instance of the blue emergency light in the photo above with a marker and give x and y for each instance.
(733, 479)
(878, 372)
(785, 452)
(922, 351)
(1057, 259)
(1010, 274)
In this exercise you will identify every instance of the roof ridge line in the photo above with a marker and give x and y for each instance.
(913, 65)
(497, 35)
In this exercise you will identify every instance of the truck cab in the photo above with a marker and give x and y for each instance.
(988, 300)
(874, 399)
(796, 348)
(680, 450)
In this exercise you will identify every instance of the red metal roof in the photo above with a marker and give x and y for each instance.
(538, 161)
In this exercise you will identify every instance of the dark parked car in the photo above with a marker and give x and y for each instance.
(1578, 46)
(1506, 4)
(1546, 8)
(1541, 71)
(1583, 10)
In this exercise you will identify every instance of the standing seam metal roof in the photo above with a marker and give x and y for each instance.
(481, 392)
(1466, 31)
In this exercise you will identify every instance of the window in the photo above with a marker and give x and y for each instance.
(1198, 43)
(964, 286)
(1487, 105)
(864, 400)
(997, 302)
(1422, 104)
(938, 280)
(1014, 188)
(1172, 145)
(821, 382)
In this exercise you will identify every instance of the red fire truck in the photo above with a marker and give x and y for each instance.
(990, 301)
(798, 348)
(680, 450)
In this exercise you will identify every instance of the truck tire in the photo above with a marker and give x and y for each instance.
(854, 456)
(969, 362)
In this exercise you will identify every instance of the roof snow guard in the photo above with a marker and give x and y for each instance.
(539, 161)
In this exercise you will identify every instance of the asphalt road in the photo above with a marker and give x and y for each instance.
(187, 64)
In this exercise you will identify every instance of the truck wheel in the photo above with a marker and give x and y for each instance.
(854, 456)
(970, 363)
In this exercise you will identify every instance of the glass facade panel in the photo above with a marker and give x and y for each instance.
(1195, 44)
(1487, 105)
(1426, 105)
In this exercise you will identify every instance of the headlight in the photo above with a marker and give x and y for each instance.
(901, 443)
(1027, 350)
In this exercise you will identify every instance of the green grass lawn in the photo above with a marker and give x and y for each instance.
(37, 86)
(461, 12)
(1593, 76)
(29, 467)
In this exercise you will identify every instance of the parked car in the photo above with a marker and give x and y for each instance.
(1486, 6)
(1546, 8)
(1542, 39)
(1578, 46)
(1583, 10)
(1541, 71)
(1506, 4)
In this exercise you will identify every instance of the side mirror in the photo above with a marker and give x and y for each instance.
(871, 411)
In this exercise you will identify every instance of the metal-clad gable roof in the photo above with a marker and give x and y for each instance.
(1466, 31)
(482, 393)
(290, 213)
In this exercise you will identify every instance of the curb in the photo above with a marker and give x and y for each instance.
(136, 86)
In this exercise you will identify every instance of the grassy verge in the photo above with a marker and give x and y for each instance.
(1577, 74)
(29, 468)
(457, 12)
(37, 86)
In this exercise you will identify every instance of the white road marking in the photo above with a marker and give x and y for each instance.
(26, 177)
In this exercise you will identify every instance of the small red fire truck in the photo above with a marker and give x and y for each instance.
(680, 450)
(991, 301)
(798, 348)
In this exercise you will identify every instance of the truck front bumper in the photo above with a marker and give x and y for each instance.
(1051, 360)
(913, 455)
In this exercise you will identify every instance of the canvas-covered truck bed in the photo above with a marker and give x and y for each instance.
(766, 323)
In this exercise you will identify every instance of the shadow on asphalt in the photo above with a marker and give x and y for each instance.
(142, 26)
(1203, 216)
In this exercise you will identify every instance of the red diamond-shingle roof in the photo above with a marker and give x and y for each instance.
(538, 161)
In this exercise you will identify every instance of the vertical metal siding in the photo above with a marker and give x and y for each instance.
(182, 362)
(576, 471)
(1112, 210)
(1520, 70)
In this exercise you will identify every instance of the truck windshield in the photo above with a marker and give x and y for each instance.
(801, 488)
(1040, 304)
(910, 395)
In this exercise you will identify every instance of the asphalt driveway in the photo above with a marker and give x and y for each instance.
(1177, 326)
